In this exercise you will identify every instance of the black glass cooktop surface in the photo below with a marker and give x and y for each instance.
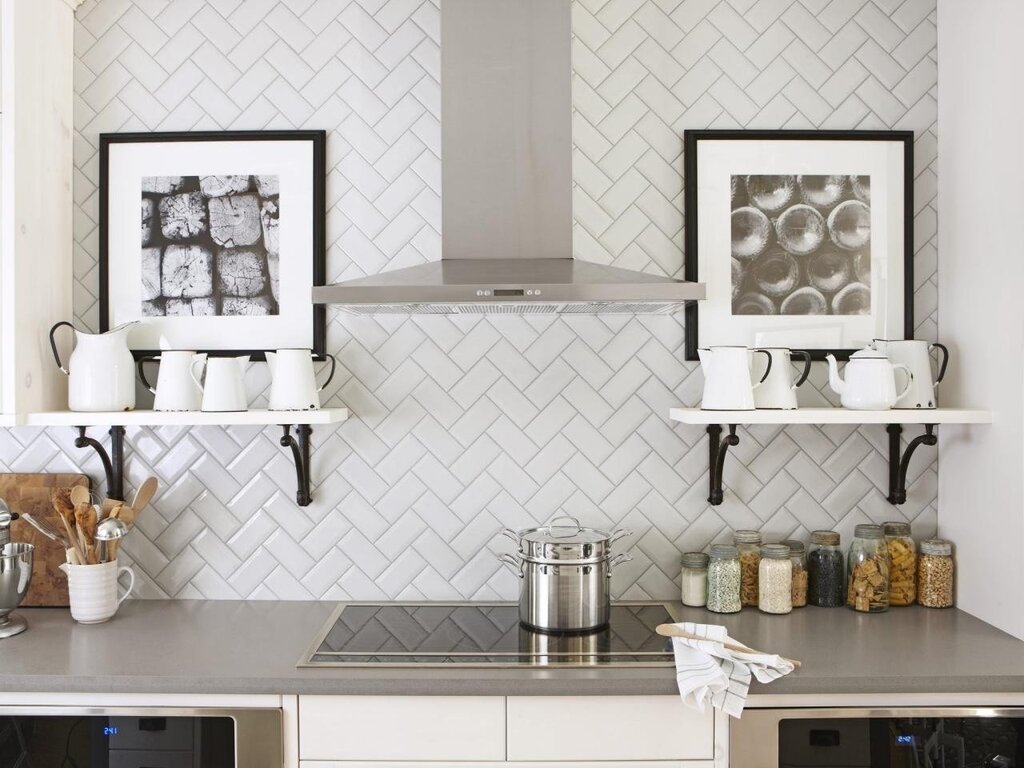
(484, 634)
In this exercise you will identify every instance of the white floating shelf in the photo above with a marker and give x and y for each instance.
(188, 418)
(833, 416)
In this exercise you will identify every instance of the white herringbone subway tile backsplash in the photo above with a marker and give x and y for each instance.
(464, 425)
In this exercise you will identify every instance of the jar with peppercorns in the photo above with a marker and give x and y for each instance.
(935, 574)
(902, 563)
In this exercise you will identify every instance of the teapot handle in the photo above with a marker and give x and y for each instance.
(945, 360)
(142, 372)
(768, 368)
(192, 371)
(334, 364)
(803, 353)
(53, 345)
(910, 380)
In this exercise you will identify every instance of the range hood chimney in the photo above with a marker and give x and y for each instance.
(506, 156)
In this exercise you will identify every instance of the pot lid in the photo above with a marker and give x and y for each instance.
(564, 530)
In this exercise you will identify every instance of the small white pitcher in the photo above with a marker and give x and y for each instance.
(293, 381)
(224, 386)
(92, 590)
(175, 390)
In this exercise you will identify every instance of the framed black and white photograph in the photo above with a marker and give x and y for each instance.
(213, 241)
(804, 239)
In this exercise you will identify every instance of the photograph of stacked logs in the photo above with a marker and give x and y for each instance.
(210, 245)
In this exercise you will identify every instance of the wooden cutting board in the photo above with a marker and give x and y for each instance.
(31, 493)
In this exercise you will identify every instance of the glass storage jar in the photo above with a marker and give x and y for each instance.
(797, 555)
(749, 545)
(867, 570)
(935, 574)
(825, 573)
(775, 579)
(724, 579)
(694, 579)
(902, 563)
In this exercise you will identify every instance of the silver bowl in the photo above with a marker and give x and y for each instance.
(15, 576)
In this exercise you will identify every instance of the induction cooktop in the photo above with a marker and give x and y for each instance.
(484, 635)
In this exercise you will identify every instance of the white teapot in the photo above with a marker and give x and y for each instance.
(870, 383)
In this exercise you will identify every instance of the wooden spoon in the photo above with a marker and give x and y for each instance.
(671, 630)
(75, 546)
(86, 519)
(80, 495)
(145, 493)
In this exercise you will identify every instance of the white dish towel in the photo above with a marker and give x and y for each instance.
(707, 671)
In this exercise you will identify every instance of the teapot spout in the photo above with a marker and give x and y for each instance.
(834, 381)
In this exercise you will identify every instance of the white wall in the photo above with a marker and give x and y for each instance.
(981, 308)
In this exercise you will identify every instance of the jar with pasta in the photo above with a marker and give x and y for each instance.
(935, 574)
(749, 545)
(902, 563)
(775, 579)
(724, 579)
(798, 557)
(867, 570)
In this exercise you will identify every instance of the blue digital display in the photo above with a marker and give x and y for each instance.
(905, 741)
(110, 730)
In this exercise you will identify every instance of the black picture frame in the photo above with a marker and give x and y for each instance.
(691, 142)
(318, 141)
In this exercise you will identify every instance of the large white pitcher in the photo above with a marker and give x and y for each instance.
(100, 371)
(293, 381)
(727, 385)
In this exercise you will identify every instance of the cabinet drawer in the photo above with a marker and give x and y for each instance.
(608, 728)
(402, 728)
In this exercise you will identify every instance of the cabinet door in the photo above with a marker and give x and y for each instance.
(608, 728)
(453, 728)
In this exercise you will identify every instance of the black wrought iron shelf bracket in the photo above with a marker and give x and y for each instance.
(718, 447)
(113, 462)
(299, 443)
(898, 464)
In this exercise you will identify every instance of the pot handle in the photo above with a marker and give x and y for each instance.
(619, 534)
(512, 562)
(334, 364)
(140, 365)
(622, 557)
(574, 520)
(53, 345)
(508, 533)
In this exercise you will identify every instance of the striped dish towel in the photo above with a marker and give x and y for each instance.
(707, 671)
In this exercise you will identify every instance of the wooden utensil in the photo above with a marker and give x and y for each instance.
(671, 630)
(80, 495)
(32, 493)
(145, 493)
(75, 544)
(86, 520)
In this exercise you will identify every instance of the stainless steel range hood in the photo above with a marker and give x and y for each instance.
(506, 178)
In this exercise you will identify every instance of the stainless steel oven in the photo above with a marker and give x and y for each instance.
(139, 737)
(934, 737)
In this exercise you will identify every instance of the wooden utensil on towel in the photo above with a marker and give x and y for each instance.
(671, 630)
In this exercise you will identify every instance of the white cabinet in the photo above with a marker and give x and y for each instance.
(36, 204)
(491, 731)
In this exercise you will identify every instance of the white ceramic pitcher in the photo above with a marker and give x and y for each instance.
(293, 381)
(916, 355)
(779, 390)
(175, 390)
(727, 384)
(224, 386)
(100, 370)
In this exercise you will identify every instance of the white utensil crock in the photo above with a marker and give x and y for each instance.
(916, 356)
(92, 590)
(100, 370)
(293, 381)
(779, 390)
(224, 387)
(175, 390)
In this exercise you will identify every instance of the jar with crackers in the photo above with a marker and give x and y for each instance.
(867, 570)
(902, 563)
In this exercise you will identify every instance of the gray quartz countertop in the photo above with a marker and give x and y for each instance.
(249, 647)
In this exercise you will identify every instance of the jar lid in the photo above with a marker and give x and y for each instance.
(825, 538)
(867, 531)
(936, 547)
(724, 551)
(695, 560)
(775, 552)
(795, 547)
(896, 528)
(746, 537)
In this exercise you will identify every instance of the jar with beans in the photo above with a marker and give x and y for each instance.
(749, 545)
(775, 579)
(902, 563)
(797, 557)
(825, 573)
(724, 579)
(694, 579)
(867, 571)
(935, 574)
